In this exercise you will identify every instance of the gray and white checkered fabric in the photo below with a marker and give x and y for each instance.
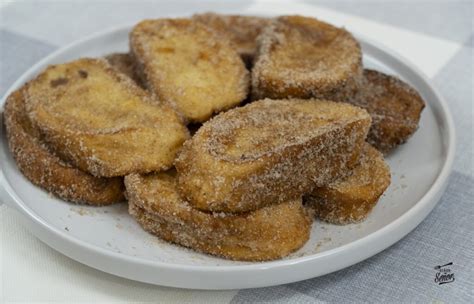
(32, 272)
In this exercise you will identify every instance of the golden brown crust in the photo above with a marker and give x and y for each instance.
(268, 233)
(266, 151)
(46, 170)
(303, 57)
(101, 121)
(189, 66)
(350, 199)
(241, 30)
(395, 108)
(124, 63)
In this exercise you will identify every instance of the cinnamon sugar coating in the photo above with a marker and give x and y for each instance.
(269, 151)
(242, 31)
(395, 108)
(350, 199)
(302, 57)
(101, 121)
(189, 66)
(46, 170)
(266, 234)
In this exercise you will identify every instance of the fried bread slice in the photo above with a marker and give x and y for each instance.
(123, 63)
(394, 105)
(303, 57)
(101, 121)
(241, 30)
(266, 234)
(189, 65)
(350, 199)
(44, 169)
(266, 151)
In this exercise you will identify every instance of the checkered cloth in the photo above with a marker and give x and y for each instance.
(437, 36)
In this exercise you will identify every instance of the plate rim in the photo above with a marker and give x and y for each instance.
(433, 193)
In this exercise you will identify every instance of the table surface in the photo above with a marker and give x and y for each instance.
(437, 36)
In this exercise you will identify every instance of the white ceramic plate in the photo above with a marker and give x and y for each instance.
(108, 239)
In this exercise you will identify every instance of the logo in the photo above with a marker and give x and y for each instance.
(444, 275)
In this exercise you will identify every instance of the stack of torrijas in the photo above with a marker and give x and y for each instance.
(247, 183)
